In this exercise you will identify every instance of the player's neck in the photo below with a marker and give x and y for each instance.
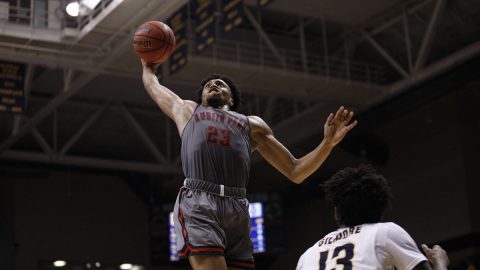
(224, 107)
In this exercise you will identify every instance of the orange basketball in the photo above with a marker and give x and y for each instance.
(154, 42)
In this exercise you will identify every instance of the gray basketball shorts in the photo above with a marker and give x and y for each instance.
(209, 224)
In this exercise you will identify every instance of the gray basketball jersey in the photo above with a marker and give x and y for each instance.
(216, 147)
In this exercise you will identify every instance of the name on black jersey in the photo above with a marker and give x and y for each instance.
(341, 235)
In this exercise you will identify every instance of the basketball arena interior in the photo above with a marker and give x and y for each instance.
(90, 167)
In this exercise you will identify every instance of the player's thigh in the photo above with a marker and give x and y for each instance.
(199, 220)
(203, 262)
(239, 250)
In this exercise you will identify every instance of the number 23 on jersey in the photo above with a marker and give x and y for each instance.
(218, 136)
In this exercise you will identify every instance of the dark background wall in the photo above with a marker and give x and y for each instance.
(76, 216)
(426, 144)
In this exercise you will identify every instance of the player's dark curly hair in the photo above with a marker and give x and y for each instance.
(236, 95)
(360, 195)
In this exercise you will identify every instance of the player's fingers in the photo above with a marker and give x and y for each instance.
(352, 125)
(152, 66)
(349, 117)
(338, 114)
(425, 248)
(330, 119)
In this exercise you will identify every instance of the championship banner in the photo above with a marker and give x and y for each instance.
(233, 14)
(204, 18)
(263, 3)
(178, 24)
(12, 83)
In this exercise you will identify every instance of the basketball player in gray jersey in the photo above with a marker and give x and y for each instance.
(211, 211)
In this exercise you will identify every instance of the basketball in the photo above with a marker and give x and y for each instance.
(154, 42)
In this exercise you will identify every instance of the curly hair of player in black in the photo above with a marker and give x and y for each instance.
(236, 95)
(360, 195)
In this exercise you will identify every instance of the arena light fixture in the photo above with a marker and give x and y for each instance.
(90, 4)
(59, 263)
(126, 266)
(81, 7)
(73, 8)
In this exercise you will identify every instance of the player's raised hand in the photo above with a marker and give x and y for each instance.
(436, 255)
(338, 125)
(152, 67)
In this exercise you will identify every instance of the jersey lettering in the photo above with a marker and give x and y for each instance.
(218, 136)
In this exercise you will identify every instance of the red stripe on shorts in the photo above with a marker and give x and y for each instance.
(206, 249)
(188, 249)
(241, 263)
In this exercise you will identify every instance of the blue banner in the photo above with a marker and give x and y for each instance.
(232, 11)
(263, 3)
(178, 24)
(12, 84)
(204, 18)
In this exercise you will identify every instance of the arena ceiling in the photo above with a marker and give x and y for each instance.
(295, 62)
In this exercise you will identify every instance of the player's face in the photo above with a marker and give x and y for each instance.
(217, 93)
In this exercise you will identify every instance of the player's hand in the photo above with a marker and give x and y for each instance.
(436, 255)
(338, 125)
(151, 67)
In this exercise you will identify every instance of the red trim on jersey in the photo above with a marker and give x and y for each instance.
(247, 264)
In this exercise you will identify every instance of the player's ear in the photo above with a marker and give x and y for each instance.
(230, 102)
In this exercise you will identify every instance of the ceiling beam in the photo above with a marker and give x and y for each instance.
(394, 20)
(426, 45)
(264, 36)
(84, 128)
(41, 141)
(408, 43)
(84, 79)
(91, 162)
(438, 67)
(143, 135)
(45, 111)
(385, 55)
(58, 61)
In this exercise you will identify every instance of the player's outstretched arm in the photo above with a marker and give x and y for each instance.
(171, 104)
(335, 129)
(437, 257)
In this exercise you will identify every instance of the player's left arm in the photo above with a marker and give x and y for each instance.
(263, 140)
